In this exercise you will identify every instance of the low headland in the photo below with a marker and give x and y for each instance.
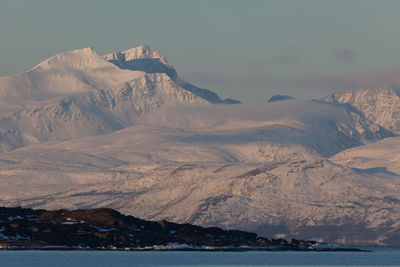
(107, 229)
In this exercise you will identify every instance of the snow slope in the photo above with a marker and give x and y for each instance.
(67, 73)
(273, 132)
(381, 156)
(298, 198)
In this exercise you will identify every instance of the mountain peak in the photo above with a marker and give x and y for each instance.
(85, 58)
(140, 52)
(142, 58)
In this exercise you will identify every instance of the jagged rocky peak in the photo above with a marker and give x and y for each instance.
(380, 105)
(85, 58)
(352, 96)
(142, 58)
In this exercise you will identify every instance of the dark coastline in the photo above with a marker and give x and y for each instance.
(214, 249)
(107, 229)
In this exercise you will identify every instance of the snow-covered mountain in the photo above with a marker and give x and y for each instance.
(275, 132)
(79, 93)
(142, 58)
(124, 131)
(381, 106)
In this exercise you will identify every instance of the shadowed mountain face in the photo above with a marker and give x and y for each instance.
(279, 98)
(142, 59)
(149, 65)
(123, 131)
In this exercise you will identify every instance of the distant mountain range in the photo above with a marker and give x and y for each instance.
(123, 131)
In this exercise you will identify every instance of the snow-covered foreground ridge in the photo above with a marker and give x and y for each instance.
(123, 131)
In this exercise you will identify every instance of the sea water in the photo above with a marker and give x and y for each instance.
(378, 257)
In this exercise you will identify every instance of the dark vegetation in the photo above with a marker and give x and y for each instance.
(105, 228)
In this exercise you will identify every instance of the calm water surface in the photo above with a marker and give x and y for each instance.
(379, 257)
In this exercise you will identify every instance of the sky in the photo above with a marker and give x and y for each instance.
(246, 50)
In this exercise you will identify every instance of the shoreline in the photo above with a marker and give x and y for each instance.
(106, 229)
(188, 249)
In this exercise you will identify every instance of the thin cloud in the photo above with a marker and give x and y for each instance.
(288, 57)
(369, 79)
(282, 59)
(387, 77)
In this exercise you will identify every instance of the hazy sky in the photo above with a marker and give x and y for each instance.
(247, 50)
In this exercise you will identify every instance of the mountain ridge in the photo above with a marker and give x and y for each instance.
(143, 58)
(381, 105)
